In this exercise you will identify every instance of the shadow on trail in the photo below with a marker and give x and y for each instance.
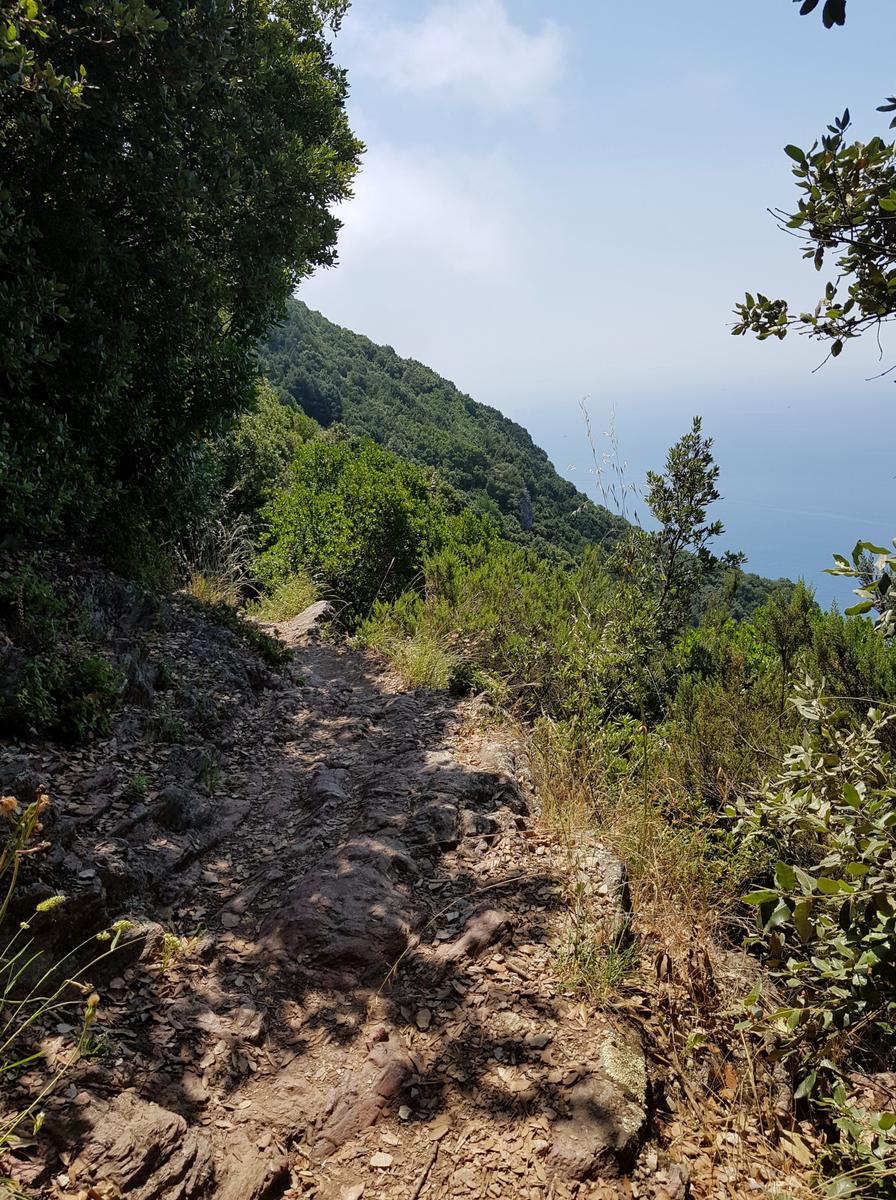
(352, 913)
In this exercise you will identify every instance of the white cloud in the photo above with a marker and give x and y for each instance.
(449, 213)
(469, 47)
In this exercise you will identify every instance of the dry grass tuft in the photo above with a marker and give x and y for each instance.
(286, 601)
(215, 562)
(723, 1108)
(212, 589)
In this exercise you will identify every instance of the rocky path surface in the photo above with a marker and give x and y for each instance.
(348, 989)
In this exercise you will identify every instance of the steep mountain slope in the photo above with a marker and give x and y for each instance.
(340, 377)
(337, 376)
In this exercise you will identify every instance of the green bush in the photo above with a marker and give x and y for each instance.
(569, 643)
(286, 601)
(357, 518)
(136, 284)
(30, 607)
(857, 664)
(721, 724)
(253, 459)
(827, 921)
(69, 694)
(56, 685)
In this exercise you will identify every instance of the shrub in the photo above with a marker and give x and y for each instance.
(30, 606)
(587, 963)
(359, 519)
(784, 624)
(859, 1158)
(858, 665)
(875, 569)
(137, 787)
(211, 589)
(132, 297)
(827, 921)
(69, 694)
(565, 642)
(54, 683)
(422, 662)
(252, 460)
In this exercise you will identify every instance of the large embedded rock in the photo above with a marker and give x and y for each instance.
(145, 1151)
(306, 625)
(601, 879)
(606, 1113)
(355, 914)
(365, 1094)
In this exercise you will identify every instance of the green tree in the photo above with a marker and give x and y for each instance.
(355, 518)
(674, 561)
(254, 459)
(785, 624)
(167, 178)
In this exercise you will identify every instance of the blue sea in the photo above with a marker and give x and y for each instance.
(801, 478)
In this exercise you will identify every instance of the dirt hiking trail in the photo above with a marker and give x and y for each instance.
(345, 985)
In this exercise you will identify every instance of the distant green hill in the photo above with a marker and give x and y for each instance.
(340, 377)
(343, 378)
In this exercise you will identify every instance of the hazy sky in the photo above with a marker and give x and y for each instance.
(565, 201)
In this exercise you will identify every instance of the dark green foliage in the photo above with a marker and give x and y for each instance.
(360, 521)
(785, 624)
(52, 682)
(167, 177)
(855, 662)
(30, 607)
(673, 563)
(569, 643)
(254, 458)
(69, 694)
(590, 643)
(833, 12)
(721, 724)
(337, 376)
(271, 649)
(737, 592)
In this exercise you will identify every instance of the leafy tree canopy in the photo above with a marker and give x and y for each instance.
(168, 174)
(846, 213)
(674, 562)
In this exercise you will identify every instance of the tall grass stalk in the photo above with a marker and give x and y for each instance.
(28, 994)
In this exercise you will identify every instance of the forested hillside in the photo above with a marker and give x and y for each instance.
(337, 376)
(343, 378)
